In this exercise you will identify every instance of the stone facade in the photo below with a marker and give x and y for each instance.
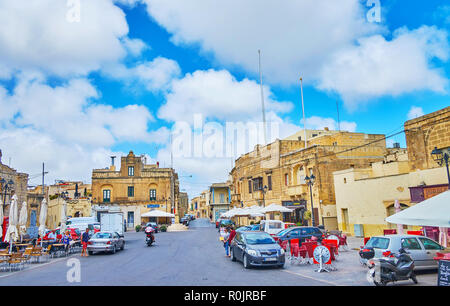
(282, 166)
(425, 133)
(200, 205)
(219, 199)
(19, 186)
(136, 188)
(183, 204)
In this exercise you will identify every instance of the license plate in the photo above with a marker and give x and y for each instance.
(270, 259)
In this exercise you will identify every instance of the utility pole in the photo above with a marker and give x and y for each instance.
(262, 98)
(303, 108)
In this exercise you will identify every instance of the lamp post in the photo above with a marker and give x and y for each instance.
(441, 158)
(264, 190)
(7, 186)
(310, 181)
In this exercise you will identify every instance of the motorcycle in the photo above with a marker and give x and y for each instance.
(149, 235)
(391, 268)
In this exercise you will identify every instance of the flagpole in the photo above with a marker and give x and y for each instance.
(262, 98)
(303, 109)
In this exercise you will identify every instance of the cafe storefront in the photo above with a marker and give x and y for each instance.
(296, 216)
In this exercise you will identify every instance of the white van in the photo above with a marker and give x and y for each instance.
(80, 222)
(272, 227)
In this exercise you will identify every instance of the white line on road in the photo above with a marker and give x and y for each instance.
(313, 278)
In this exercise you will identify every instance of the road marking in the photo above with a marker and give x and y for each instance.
(313, 278)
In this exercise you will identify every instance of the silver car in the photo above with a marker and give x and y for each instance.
(421, 249)
(105, 242)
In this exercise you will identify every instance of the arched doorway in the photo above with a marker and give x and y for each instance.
(390, 210)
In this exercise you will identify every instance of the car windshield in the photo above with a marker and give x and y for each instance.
(102, 236)
(378, 243)
(226, 221)
(259, 238)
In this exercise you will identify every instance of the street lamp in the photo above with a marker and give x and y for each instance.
(441, 158)
(264, 190)
(310, 181)
(7, 186)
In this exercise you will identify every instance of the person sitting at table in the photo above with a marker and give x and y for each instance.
(65, 239)
(51, 237)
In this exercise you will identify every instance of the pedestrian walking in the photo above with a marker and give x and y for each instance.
(65, 239)
(232, 234)
(226, 242)
(84, 242)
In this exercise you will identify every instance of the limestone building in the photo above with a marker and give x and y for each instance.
(276, 173)
(219, 199)
(365, 197)
(135, 188)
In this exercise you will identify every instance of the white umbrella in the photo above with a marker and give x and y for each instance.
(1, 217)
(158, 213)
(11, 233)
(431, 212)
(23, 217)
(42, 218)
(275, 208)
(63, 217)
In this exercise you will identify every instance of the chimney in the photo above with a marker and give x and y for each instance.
(112, 168)
(326, 129)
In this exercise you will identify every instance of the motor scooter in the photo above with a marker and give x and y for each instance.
(149, 235)
(390, 268)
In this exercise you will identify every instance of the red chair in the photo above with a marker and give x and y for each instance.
(418, 233)
(343, 242)
(334, 245)
(309, 246)
(284, 244)
(389, 232)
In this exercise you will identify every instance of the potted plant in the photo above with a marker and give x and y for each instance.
(163, 228)
(138, 228)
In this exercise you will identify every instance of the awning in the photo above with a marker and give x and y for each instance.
(434, 211)
(158, 213)
(276, 208)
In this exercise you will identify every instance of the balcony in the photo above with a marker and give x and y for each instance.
(297, 190)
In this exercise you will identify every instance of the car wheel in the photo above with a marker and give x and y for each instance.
(123, 247)
(114, 250)
(90, 253)
(281, 266)
(233, 258)
(414, 279)
(245, 262)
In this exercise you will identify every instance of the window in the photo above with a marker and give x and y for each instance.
(249, 186)
(378, 243)
(269, 182)
(410, 244)
(430, 244)
(130, 171)
(257, 184)
(286, 179)
(106, 196)
(221, 198)
(152, 194)
(131, 191)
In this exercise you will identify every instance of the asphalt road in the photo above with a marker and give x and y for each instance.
(191, 258)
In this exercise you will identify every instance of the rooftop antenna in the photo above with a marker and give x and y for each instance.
(339, 122)
(262, 98)
(303, 109)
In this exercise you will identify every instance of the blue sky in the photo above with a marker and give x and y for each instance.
(122, 74)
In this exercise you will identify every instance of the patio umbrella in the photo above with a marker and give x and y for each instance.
(158, 213)
(275, 208)
(1, 217)
(11, 234)
(63, 217)
(434, 211)
(23, 217)
(42, 218)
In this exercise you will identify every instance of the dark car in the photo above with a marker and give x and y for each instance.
(253, 227)
(255, 248)
(185, 220)
(154, 225)
(301, 232)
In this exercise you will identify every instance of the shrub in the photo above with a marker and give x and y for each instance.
(138, 228)
(163, 228)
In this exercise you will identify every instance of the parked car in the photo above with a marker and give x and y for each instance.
(422, 249)
(105, 242)
(154, 225)
(256, 249)
(185, 220)
(253, 227)
(272, 227)
(300, 232)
